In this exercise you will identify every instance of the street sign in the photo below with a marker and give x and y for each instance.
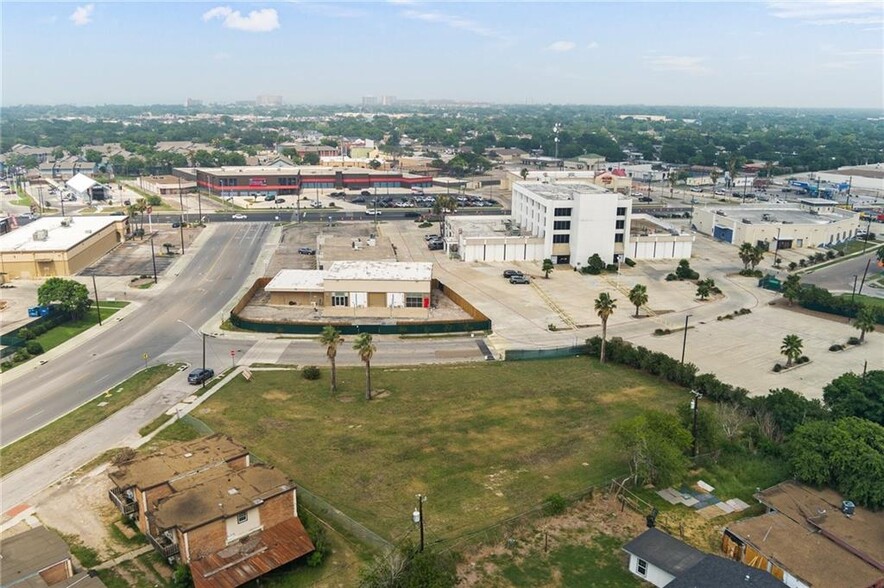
(150, 210)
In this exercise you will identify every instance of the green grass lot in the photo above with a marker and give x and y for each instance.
(42, 441)
(484, 441)
(61, 333)
(855, 245)
(867, 300)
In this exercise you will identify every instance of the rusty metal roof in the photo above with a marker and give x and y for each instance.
(252, 557)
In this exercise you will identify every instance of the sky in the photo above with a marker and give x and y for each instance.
(823, 53)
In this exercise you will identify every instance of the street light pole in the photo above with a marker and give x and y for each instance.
(853, 293)
(153, 259)
(684, 340)
(98, 308)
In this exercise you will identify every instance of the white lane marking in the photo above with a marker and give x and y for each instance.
(35, 414)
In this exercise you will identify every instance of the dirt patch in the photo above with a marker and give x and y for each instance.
(381, 394)
(276, 395)
(625, 395)
(140, 282)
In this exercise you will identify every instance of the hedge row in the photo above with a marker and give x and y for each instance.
(819, 299)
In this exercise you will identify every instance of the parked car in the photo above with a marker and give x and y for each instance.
(373, 212)
(696, 189)
(520, 279)
(431, 236)
(645, 199)
(511, 272)
(365, 193)
(435, 245)
(315, 204)
(720, 193)
(411, 214)
(269, 198)
(358, 200)
(280, 200)
(307, 251)
(200, 375)
(239, 216)
(176, 225)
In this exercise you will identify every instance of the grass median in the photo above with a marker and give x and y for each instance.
(42, 441)
(485, 441)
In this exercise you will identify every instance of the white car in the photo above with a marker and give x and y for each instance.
(239, 217)
(696, 189)
(373, 212)
(720, 193)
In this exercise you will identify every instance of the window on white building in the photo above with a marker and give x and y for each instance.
(618, 238)
(641, 567)
(562, 212)
(562, 238)
(621, 224)
(242, 518)
(340, 299)
(621, 211)
(414, 301)
(562, 225)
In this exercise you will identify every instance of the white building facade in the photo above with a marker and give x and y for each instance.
(575, 221)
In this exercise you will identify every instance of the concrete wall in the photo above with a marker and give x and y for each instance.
(422, 286)
(501, 249)
(297, 298)
(236, 529)
(660, 247)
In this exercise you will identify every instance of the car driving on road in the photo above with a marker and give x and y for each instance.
(239, 217)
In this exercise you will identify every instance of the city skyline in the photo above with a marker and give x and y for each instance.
(825, 54)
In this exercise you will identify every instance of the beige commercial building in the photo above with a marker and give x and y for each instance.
(59, 246)
(814, 222)
(166, 185)
(358, 289)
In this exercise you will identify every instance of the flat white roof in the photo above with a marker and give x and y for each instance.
(81, 182)
(380, 270)
(564, 191)
(296, 279)
(58, 237)
(818, 202)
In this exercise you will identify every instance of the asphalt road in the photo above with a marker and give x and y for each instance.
(204, 286)
(314, 215)
(839, 277)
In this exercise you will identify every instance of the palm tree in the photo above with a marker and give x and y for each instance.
(865, 321)
(365, 348)
(791, 348)
(330, 338)
(524, 173)
(547, 267)
(756, 257)
(638, 296)
(673, 180)
(444, 203)
(604, 307)
(746, 252)
(714, 175)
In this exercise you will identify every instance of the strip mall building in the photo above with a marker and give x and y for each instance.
(282, 181)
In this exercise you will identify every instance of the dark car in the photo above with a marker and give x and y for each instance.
(200, 375)
(307, 251)
(510, 273)
(411, 214)
(520, 279)
(358, 200)
(365, 193)
(645, 199)
(280, 200)
(176, 225)
(435, 245)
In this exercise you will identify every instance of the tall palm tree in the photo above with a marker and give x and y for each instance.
(365, 348)
(638, 296)
(444, 203)
(604, 307)
(746, 252)
(791, 348)
(865, 321)
(547, 267)
(330, 338)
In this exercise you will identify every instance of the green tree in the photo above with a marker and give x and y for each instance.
(655, 444)
(595, 265)
(847, 454)
(406, 567)
(604, 307)
(756, 256)
(58, 153)
(70, 295)
(704, 290)
(374, 164)
(366, 350)
(524, 173)
(792, 288)
(330, 338)
(443, 205)
(860, 396)
(788, 409)
(638, 296)
(93, 156)
(791, 348)
(547, 267)
(292, 155)
(880, 256)
(865, 321)
(684, 271)
(714, 175)
(746, 253)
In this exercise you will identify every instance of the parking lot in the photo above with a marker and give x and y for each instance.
(134, 258)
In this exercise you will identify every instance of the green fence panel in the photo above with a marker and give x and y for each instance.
(355, 329)
(526, 354)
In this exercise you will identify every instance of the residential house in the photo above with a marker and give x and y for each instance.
(503, 155)
(663, 560)
(39, 558)
(67, 167)
(147, 479)
(810, 538)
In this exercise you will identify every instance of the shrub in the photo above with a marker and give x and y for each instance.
(841, 253)
(792, 266)
(125, 455)
(595, 265)
(310, 372)
(552, 327)
(629, 262)
(26, 333)
(39, 329)
(671, 277)
(20, 356)
(853, 341)
(802, 262)
(611, 267)
(830, 254)
(836, 347)
(555, 504)
(6, 365)
(34, 347)
(777, 367)
(425, 225)
(752, 273)
(684, 271)
(659, 332)
(802, 359)
(154, 200)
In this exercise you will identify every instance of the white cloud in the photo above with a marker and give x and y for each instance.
(82, 15)
(455, 22)
(562, 46)
(830, 12)
(679, 63)
(592, 45)
(257, 21)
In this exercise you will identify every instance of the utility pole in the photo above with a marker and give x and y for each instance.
(853, 293)
(684, 340)
(418, 517)
(153, 259)
(865, 273)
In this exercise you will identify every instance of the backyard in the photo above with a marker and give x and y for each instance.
(483, 441)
